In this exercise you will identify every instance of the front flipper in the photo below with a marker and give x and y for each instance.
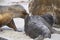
(12, 25)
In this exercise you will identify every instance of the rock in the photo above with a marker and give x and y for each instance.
(13, 35)
(1, 38)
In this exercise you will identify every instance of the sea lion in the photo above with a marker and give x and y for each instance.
(7, 13)
(38, 25)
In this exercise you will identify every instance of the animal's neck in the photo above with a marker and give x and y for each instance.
(48, 19)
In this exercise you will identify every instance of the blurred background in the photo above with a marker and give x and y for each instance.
(19, 22)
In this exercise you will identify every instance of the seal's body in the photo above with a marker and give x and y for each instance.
(7, 13)
(37, 25)
(5, 18)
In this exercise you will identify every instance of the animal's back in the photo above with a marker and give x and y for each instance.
(16, 10)
(5, 18)
(35, 27)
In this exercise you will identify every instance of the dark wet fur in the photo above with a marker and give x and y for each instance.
(48, 18)
(32, 28)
